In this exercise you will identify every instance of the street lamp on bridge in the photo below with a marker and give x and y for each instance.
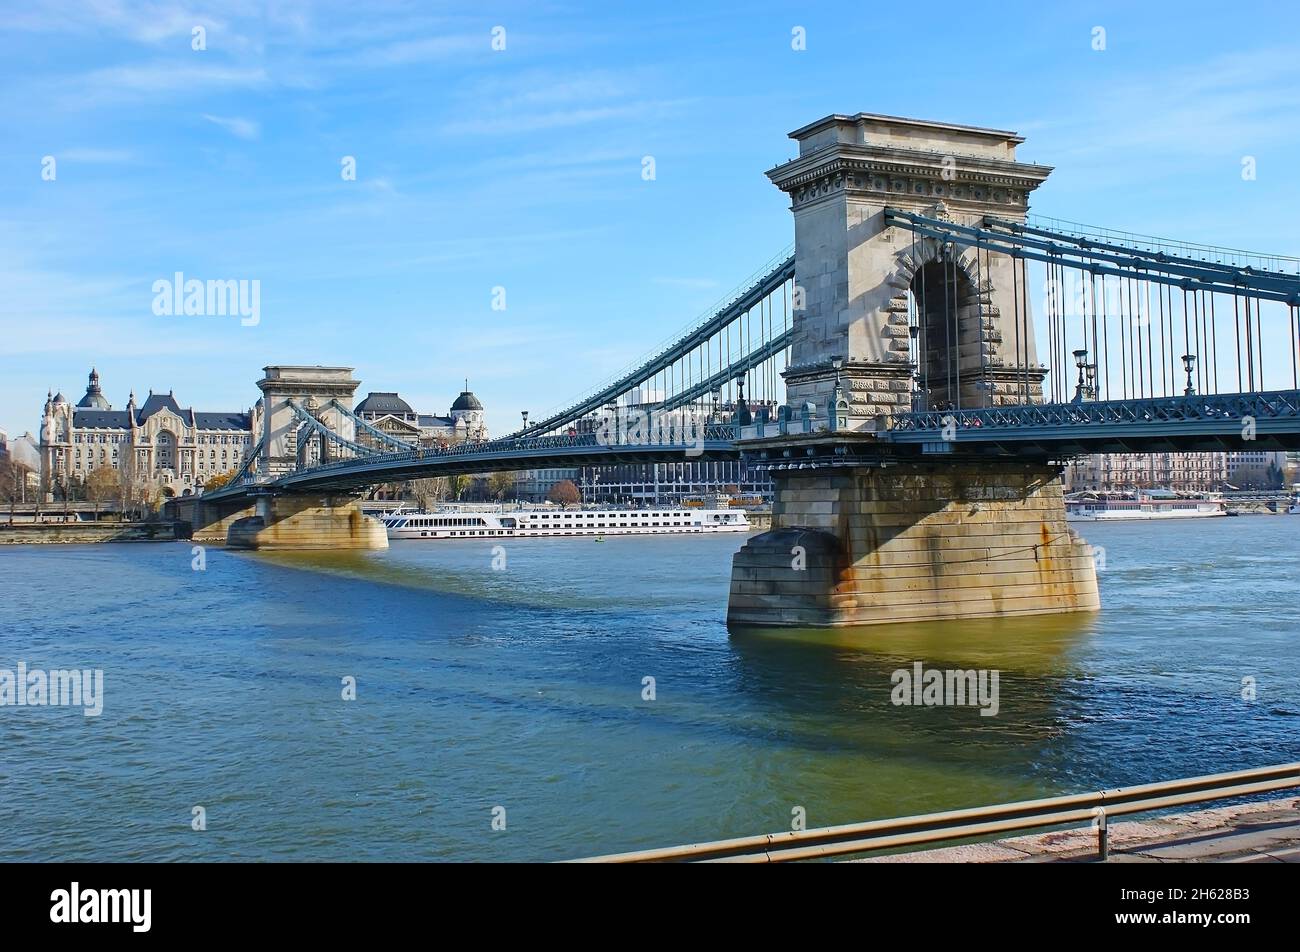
(1080, 388)
(524, 414)
(1189, 364)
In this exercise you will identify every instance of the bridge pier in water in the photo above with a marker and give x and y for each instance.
(892, 322)
(292, 521)
(912, 542)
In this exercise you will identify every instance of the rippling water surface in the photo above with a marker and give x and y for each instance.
(522, 689)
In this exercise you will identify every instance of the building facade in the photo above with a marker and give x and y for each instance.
(157, 443)
(1180, 472)
(1257, 470)
(534, 485)
(388, 412)
(21, 458)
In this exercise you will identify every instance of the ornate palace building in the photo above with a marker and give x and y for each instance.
(393, 415)
(159, 442)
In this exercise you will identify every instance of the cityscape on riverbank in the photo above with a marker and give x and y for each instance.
(91, 456)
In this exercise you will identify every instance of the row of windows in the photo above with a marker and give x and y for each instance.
(592, 515)
(482, 532)
(212, 454)
(500, 532)
(120, 437)
(443, 522)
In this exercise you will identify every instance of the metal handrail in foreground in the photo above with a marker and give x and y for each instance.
(1093, 808)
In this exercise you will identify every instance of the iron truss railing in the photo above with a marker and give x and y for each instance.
(713, 443)
(1101, 257)
(1044, 426)
(667, 437)
(1274, 411)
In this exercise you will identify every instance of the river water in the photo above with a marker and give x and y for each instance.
(518, 692)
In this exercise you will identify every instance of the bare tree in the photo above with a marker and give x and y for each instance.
(500, 484)
(101, 484)
(429, 492)
(13, 482)
(564, 494)
(460, 485)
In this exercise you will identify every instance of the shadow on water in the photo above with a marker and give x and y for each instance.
(1035, 644)
(372, 566)
(852, 688)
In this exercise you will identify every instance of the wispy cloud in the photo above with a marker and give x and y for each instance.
(1246, 100)
(96, 156)
(160, 80)
(516, 122)
(236, 126)
(145, 21)
(427, 49)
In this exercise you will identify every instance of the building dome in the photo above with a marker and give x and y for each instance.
(466, 401)
(94, 398)
(60, 398)
(380, 404)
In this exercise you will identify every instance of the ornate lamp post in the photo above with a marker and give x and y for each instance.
(743, 417)
(1080, 361)
(1189, 364)
(524, 414)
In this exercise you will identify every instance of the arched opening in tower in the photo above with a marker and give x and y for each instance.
(948, 347)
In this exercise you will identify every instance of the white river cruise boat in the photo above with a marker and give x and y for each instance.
(1143, 507)
(558, 522)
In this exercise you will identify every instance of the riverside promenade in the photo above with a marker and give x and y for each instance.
(1265, 832)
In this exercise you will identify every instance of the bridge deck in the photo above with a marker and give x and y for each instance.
(1256, 421)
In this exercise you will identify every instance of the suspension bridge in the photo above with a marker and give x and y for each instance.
(913, 376)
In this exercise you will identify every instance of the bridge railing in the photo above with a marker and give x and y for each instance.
(980, 822)
(1282, 404)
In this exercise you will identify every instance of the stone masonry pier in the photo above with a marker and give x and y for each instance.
(307, 522)
(913, 542)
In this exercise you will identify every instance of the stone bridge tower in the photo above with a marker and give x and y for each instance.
(886, 303)
(311, 388)
(865, 531)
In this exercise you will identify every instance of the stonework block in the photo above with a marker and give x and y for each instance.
(914, 543)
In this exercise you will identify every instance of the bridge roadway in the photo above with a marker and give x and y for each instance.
(1047, 431)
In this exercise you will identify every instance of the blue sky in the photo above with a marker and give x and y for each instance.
(522, 169)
